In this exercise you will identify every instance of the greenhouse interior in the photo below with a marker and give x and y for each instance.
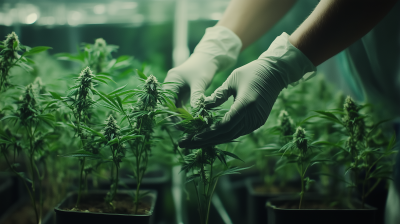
(199, 111)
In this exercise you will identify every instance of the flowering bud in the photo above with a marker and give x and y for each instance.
(100, 42)
(10, 40)
(285, 123)
(299, 137)
(112, 129)
(85, 78)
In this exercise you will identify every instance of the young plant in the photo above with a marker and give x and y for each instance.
(201, 164)
(141, 119)
(365, 161)
(80, 100)
(301, 152)
(33, 121)
(9, 58)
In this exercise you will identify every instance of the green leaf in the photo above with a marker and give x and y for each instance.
(107, 100)
(82, 153)
(117, 90)
(329, 116)
(36, 50)
(232, 170)
(185, 114)
(130, 137)
(94, 132)
(192, 178)
(141, 74)
(9, 117)
(55, 95)
(232, 155)
(104, 78)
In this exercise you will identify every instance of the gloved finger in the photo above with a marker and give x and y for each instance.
(228, 122)
(196, 92)
(218, 139)
(175, 83)
(219, 96)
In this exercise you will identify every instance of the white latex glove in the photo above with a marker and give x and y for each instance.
(217, 50)
(255, 87)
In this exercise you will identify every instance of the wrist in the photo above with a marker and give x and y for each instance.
(220, 44)
(287, 61)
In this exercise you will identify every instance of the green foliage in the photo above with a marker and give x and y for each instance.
(201, 164)
(9, 58)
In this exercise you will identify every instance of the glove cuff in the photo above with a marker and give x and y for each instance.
(293, 66)
(222, 44)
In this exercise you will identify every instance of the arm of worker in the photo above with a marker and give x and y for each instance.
(331, 27)
(242, 23)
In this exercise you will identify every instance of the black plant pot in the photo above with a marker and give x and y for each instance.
(343, 215)
(256, 200)
(76, 217)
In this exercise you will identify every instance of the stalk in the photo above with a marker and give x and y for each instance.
(80, 184)
(302, 186)
(26, 186)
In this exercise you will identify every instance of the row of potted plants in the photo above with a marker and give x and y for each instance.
(97, 132)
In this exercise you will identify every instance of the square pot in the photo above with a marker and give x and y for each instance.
(77, 217)
(342, 215)
(256, 200)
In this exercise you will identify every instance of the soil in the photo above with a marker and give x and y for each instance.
(123, 205)
(24, 215)
(261, 188)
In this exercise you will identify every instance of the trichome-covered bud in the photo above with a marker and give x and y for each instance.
(299, 138)
(12, 39)
(150, 86)
(111, 130)
(85, 78)
(28, 104)
(285, 123)
(100, 42)
(351, 120)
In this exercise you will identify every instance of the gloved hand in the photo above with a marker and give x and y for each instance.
(217, 50)
(255, 87)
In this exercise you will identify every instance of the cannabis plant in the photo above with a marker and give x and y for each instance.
(33, 127)
(98, 57)
(80, 101)
(10, 57)
(284, 130)
(141, 117)
(201, 164)
(301, 152)
(365, 161)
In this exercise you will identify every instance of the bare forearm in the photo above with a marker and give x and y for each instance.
(336, 24)
(250, 19)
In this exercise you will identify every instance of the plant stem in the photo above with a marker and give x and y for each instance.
(80, 184)
(26, 186)
(198, 203)
(209, 201)
(302, 185)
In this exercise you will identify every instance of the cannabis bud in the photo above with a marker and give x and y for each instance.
(28, 104)
(85, 78)
(10, 41)
(299, 137)
(112, 129)
(149, 102)
(285, 123)
(100, 42)
(355, 126)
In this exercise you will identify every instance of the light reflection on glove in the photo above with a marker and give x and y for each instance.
(255, 87)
